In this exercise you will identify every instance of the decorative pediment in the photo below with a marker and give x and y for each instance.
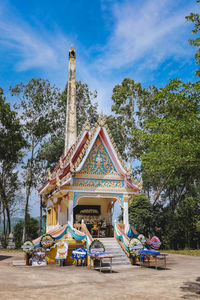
(98, 161)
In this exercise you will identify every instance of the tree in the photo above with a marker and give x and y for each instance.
(195, 18)
(171, 157)
(125, 96)
(38, 100)
(188, 216)
(115, 125)
(140, 214)
(11, 144)
(32, 230)
(53, 147)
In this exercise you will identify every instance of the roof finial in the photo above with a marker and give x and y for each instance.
(141, 184)
(72, 169)
(71, 121)
(72, 53)
(57, 180)
(87, 125)
(129, 169)
(101, 120)
(61, 163)
(49, 174)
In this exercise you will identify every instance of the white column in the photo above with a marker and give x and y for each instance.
(70, 213)
(125, 215)
(59, 221)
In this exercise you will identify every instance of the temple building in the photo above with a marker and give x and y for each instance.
(90, 175)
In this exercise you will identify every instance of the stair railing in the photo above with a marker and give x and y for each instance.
(122, 237)
(83, 229)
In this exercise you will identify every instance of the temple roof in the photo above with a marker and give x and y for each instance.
(73, 162)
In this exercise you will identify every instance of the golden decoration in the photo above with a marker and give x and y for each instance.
(98, 161)
(49, 174)
(58, 180)
(87, 125)
(129, 169)
(99, 183)
(61, 163)
(72, 169)
(140, 184)
(101, 120)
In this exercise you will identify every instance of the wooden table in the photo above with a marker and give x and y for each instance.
(161, 257)
(156, 259)
(100, 259)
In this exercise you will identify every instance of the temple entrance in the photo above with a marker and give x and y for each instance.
(96, 213)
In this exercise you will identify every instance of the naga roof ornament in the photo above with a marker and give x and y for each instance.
(101, 120)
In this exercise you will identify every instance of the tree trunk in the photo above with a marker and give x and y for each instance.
(28, 192)
(0, 212)
(40, 214)
(4, 222)
(26, 214)
(4, 228)
(8, 219)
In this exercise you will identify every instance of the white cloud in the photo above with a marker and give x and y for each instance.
(150, 31)
(142, 36)
(32, 48)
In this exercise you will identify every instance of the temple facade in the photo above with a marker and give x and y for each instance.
(90, 175)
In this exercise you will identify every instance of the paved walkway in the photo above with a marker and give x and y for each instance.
(180, 281)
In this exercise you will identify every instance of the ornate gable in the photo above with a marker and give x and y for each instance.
(98, 161)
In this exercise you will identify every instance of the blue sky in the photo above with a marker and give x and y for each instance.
(145, 40)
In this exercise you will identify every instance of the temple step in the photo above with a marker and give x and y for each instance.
(120, 258)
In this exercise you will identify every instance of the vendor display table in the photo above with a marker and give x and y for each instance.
(99, 257)
(159, 259)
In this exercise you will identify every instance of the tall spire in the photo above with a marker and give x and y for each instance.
(71, 126)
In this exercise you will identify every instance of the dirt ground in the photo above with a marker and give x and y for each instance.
(181, 280)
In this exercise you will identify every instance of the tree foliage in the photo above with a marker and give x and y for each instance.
(32, 230)
(86, 108)
(195, 18)
(140, 214)
(11, 144)
(37, 104)
(171, 135)
(125, 97)
(165, 137)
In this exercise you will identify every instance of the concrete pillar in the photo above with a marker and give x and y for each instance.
(70, 213)
(71, 124)
(59, 221)
(125, 215)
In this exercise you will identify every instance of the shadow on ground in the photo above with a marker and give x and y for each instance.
(2, 257)
(192, 287)
(106, 271)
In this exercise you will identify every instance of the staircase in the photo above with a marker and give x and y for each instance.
(120, 259)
